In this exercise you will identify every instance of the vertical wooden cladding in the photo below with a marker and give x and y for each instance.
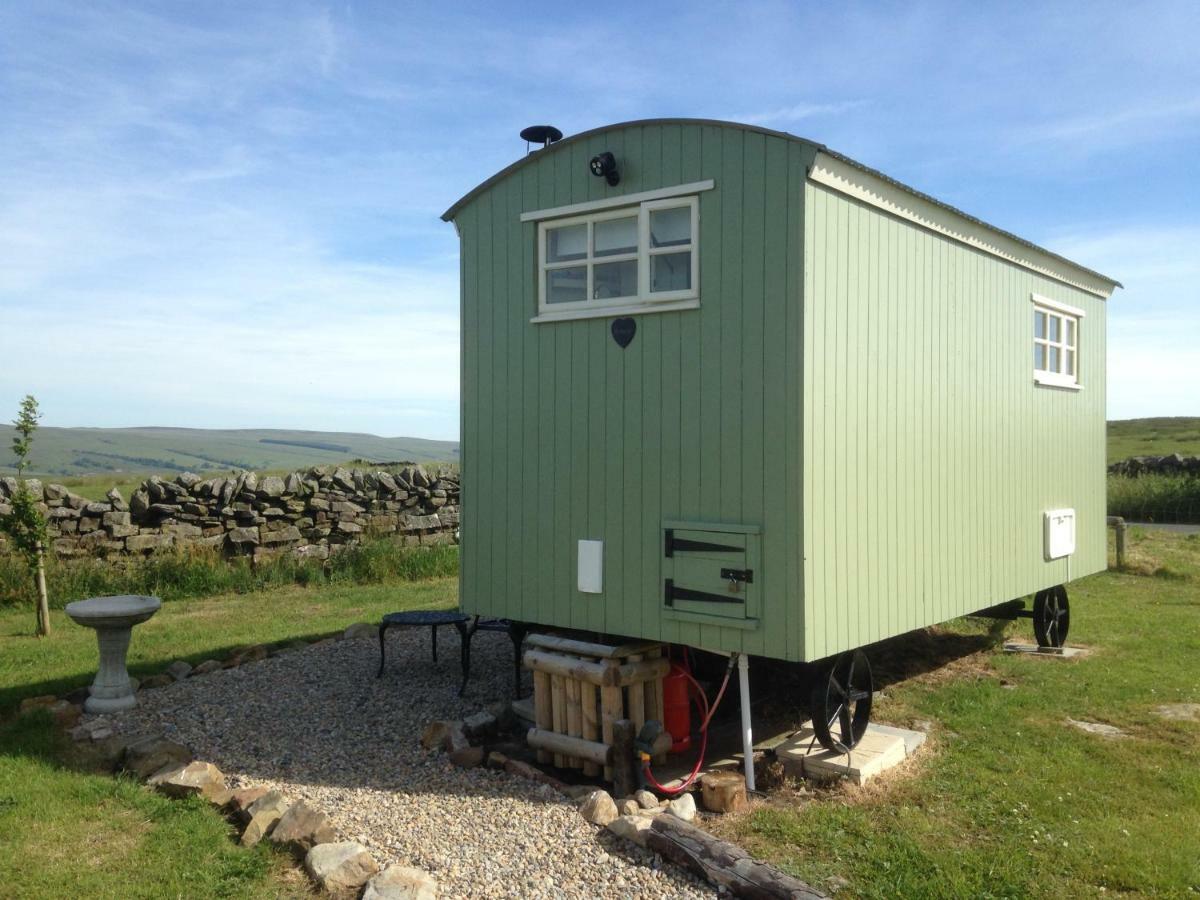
(566, 436)
(856, 386)
(929, 453)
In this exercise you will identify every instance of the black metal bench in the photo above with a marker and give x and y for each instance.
(434, 620)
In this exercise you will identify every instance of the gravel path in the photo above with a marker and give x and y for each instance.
(319, 726)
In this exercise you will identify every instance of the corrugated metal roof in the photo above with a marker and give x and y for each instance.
(449, 214)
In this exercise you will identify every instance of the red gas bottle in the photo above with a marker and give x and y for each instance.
(677, 708)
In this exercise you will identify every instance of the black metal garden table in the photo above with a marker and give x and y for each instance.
(434, 620)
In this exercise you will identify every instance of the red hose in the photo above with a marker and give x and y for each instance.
(708, 714)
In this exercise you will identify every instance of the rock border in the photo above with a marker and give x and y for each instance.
(667, 827)
(347, 868)
(340, 868)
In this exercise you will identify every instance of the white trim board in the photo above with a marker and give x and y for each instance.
(555, 212)
(635, 308)
(882, 194)
(1056, 306)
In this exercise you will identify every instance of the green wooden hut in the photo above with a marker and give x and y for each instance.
(731, 389)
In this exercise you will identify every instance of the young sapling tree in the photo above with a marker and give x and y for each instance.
(24, 524)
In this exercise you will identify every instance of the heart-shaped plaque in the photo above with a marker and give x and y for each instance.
(623, 330)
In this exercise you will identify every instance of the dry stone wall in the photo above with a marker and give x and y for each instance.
(1175, 464)
(246, 514)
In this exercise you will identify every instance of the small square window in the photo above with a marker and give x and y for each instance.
(1055, 343)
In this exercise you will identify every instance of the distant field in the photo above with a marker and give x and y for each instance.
(125, 456)
(119, 453)
(1153, 437)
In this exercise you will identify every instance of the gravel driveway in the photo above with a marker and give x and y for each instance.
(316, 724)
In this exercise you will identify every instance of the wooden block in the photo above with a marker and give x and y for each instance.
(875, 753)
(624, 776)
(542, 708)
(723, 791)
(589, 703)
(558, 710)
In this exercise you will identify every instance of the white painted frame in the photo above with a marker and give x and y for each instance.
(648, 252)
(575, 209)
(645, 300)
(1064, 313)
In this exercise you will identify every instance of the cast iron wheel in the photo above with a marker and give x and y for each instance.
(1051, 616)
(840, 703)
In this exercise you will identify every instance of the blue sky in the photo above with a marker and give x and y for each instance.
(226, 214)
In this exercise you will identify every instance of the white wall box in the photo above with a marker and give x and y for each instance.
(1060, 533)
(591, 567)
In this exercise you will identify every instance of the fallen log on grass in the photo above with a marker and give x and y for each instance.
(722, 863)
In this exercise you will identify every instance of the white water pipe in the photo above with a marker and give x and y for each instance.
(743, 662)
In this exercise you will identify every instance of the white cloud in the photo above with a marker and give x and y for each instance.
(229, 216)
(1137, 123)
(798, 111)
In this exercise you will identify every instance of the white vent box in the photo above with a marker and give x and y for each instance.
(591, 567)
(1060, 533)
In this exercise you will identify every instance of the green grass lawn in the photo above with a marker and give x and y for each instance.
(1008, 800)
(196, 630)
(1153, 437)
(70, 830)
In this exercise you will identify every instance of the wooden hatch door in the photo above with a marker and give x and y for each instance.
(710, 572)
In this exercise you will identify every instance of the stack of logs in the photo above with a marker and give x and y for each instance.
(580, 689)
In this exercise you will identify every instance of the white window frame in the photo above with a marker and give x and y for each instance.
(645, 300)
(1064, 313)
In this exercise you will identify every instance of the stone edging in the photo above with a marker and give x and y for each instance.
(341, 868)
(346, 868)
(635, 819)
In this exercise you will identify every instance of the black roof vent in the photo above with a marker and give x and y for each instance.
(540, 134)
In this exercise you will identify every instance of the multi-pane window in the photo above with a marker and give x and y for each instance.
(632, 257)
(1055, 343)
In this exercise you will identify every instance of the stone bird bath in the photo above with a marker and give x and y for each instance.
(113, 618)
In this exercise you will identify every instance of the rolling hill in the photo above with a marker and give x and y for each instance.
(79, 452)
(73, 452)
(1153, 437)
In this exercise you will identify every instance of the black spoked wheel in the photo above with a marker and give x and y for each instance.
(841, 701)
(1051, 616)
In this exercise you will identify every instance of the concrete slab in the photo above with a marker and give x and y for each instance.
(1049, 652)
(878, 751)
(912, 739)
